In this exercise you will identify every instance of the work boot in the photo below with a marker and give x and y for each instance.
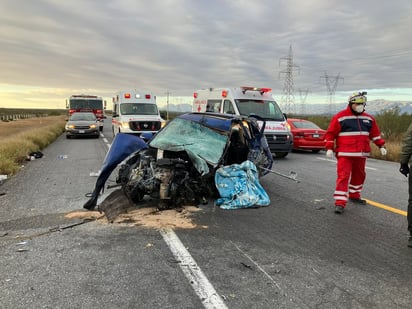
(410, 242)
(339, 209)
(360, 201)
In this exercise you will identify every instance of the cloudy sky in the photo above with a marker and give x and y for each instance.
(51, 49)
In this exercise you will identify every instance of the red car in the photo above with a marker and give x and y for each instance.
(307, 135)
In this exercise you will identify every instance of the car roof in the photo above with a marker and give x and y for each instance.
(298, 119)
(215, 120)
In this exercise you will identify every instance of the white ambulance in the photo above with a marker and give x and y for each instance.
(248, 101)
(135, 112)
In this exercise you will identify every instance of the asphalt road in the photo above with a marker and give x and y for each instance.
(295, 253)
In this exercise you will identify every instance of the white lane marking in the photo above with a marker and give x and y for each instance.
(334, 161)
(203, 288)
(105, 140)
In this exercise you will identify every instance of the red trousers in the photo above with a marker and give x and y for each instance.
(351, 176)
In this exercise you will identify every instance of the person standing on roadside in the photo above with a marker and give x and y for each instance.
(406, 152)
(348, 135)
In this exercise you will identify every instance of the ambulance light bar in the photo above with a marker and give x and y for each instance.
(84, 96)
(261, 90)
(127, 95)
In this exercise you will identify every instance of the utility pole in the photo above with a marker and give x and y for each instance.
(331, 84)
(303, 94)
(167, 106)
(288, 98)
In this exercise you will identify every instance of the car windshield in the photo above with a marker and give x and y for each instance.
(200, 142)
(269, 110)
(305, 125)
(138, 109)
(84, 103)
(83, 116)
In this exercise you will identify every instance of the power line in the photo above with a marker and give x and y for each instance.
(331, 84)
(303, 94)
(288, 98)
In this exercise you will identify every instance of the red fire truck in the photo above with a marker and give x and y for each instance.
(87, 103)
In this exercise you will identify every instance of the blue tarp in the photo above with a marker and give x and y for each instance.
(239, 187)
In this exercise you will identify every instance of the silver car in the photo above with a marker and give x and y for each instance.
(82, 124)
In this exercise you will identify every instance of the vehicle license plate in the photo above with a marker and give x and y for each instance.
(81, 131)
(316, 135)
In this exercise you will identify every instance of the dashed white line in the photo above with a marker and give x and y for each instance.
(203, 288)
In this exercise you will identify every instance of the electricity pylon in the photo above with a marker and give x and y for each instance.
(303, 94)
(288, 97)
(331, 89)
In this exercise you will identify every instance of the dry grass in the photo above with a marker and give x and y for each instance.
(19, 138)
(393, 148)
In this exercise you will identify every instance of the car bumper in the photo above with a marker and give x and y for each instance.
(82, 132)
(280, 142)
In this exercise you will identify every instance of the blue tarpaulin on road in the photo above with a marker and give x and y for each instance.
(239, 187)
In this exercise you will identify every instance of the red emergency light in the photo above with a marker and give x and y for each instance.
(261, 90)
(195, 95)
(147, 96)
(224, 93)
(127, 96)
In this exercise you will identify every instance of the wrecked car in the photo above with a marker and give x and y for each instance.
(177, 166)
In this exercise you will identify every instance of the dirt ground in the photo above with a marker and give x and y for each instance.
(148, 215)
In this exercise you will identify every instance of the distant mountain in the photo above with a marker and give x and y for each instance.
(181, 108)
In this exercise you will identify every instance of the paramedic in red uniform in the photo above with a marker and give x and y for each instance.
(348, 136)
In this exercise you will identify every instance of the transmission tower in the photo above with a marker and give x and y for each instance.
(303, 94)
(288, 98)
(331, 84)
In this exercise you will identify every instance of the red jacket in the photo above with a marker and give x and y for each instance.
(351, 134)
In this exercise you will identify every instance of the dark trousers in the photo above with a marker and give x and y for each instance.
(409, 215)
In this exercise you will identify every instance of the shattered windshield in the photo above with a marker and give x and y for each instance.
(269, 110)
(196, 139)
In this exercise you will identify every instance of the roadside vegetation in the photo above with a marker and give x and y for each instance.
(18, 138)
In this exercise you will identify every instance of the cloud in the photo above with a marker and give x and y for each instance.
(181, 46)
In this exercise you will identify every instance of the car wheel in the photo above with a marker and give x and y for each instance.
(67, 136)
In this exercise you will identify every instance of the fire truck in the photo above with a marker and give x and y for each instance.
(87, 103)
